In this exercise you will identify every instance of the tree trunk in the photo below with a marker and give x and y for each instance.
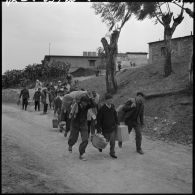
(191, 71)
(110, 53)
(168, 65)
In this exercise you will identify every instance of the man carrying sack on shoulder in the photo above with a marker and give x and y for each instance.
(133, 117)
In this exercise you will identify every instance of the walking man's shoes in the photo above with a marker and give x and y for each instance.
(70, 149)
(113, 155)
(140, 151)
(82, 158)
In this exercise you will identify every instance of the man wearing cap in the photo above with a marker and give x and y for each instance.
(107, 122)
(133, 117)
(79, 124)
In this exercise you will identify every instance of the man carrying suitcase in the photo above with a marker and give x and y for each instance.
(107, 122)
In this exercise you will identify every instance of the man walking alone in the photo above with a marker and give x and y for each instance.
(36, 98)
(25, 97)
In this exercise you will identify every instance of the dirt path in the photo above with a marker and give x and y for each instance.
(35, 159)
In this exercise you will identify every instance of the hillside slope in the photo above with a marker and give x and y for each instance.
(174, 112)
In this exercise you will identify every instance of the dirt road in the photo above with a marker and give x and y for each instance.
(35, 159)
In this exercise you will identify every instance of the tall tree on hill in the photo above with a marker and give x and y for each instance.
(115, 15)
(191, 14)
(162, 13)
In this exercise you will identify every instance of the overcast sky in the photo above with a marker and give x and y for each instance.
(71, 28)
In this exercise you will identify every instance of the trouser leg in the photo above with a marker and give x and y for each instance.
(46, 106)
(138, 137)
(68, 120)
(35, 105)
(89, 126)
(129, 129)
(67, 125)
(38, 103)
(25, 103)
(74, 133)
(92, 127)
(112, 143)
(111, 138)
(84, 143)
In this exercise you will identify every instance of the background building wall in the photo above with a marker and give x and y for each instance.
(76, 61)
(182, 49)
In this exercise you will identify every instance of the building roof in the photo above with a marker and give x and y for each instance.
(53, 56)
(136, 53)
(177, 38)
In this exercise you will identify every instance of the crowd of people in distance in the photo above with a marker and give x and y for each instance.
(80, 111)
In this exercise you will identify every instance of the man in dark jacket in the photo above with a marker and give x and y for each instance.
(133, 118)
(107, 122)
(36, 98)
(79, 124)
(25, 97)
(45, 99)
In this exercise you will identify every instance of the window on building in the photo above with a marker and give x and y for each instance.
(163, 51)
(92, 62)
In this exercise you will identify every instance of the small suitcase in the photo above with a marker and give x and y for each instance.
(122, 134)
(55, 123)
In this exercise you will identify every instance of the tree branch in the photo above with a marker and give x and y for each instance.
(158, 19)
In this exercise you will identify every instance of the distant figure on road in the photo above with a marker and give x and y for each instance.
(37, 98)
(38, 85)
(119, 67)
(133, 118)
(25, 97)
(51, 91)
(107, 122)
(45, 99)
(58, 105)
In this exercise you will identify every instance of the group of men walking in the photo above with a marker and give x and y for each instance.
(81, 112)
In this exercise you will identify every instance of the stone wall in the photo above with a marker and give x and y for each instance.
(182, 49)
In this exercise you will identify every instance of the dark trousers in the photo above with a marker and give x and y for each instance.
(37, 104)
(111, 138)
(91, 127)
(45, 108)
(24, 103)
(65, 117)
(138, 135)
(75, 128)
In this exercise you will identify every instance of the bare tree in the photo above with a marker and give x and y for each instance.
(115, 15)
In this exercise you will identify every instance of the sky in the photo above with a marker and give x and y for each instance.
(70, 28)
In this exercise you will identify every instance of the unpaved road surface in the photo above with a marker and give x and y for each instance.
(35, 159)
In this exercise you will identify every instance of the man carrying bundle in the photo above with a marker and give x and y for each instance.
(79, 124)
(133, 117)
